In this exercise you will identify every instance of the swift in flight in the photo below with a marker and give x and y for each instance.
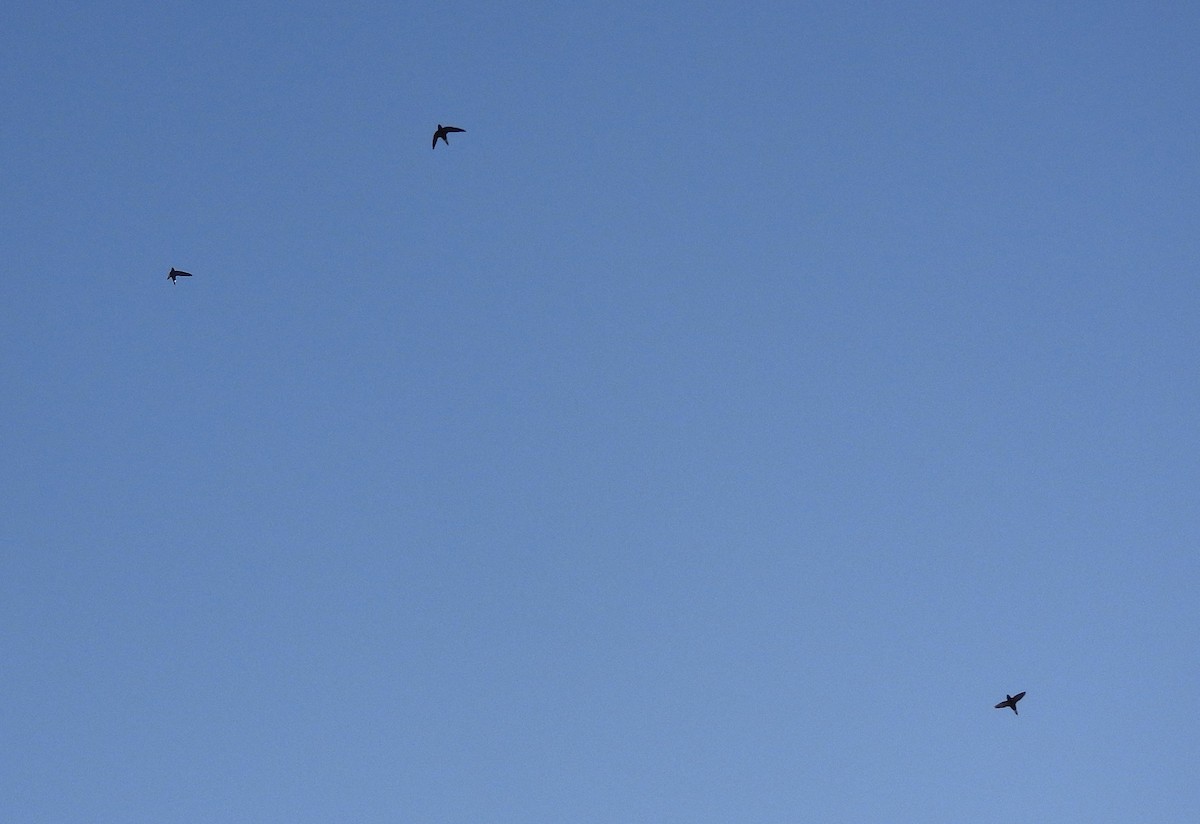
(1010, 701)
(442, 131)
(175, 273)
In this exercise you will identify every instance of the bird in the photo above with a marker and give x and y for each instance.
(175, 273)
(1010, 701)
(442, 131)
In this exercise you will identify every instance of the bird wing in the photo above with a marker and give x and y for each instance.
(1002, 705)
(436, 135)
(183, 274)
(1018, 697)
(453, 129)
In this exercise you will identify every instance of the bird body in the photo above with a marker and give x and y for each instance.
(1010, 701)
(175, 273)
(441, 133)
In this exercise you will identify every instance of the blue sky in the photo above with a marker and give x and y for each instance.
(746, 402)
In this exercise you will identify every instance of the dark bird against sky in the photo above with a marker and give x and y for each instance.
(1010, 701)
(175, 273)
(442, 131)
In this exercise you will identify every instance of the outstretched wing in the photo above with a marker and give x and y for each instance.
(1003, 704)
(1018, 697)
(436, 135)
(452, 129)
(183, 274)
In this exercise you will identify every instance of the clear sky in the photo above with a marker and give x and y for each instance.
(748, 400)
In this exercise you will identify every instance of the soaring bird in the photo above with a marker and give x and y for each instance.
(175, 273)
(1010, 701)
(442, 131)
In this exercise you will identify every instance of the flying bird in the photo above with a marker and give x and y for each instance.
(175, 273)
(1010, 701)
(442, 131)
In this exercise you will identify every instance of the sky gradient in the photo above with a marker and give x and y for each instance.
(749, 399)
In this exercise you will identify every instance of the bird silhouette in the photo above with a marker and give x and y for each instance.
(175, 273)
(442, 131)
(1010, 701)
